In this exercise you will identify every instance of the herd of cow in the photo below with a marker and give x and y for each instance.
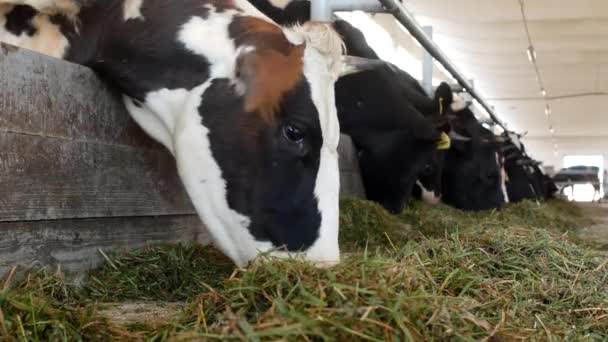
(252, 112)
(395, 125)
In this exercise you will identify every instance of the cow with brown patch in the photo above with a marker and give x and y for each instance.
(245, 106)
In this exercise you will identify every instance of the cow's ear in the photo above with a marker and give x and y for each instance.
(266, 76)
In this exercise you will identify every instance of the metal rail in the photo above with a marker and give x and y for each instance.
(409, 22)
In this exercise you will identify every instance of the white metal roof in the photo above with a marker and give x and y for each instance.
(487, 40)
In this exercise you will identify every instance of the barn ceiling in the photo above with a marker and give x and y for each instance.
(487, 40)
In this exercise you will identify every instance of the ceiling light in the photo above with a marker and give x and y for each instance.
(551, 129)
(531, 54)
(543, 92)
(547, 110)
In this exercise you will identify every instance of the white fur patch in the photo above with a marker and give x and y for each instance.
(458, 103)
(166, 104)
(132, 10)
(503, 179)
(209, 37)
(428, 197)
(321, 72)
(150, 123)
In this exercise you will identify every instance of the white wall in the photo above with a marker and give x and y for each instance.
(542, 148)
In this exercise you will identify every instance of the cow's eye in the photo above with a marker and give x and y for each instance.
(293, 133)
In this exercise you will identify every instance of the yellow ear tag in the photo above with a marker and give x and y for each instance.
(444, 142)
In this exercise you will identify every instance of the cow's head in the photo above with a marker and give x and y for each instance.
(472, 178)
(276, 145)
(429, 186)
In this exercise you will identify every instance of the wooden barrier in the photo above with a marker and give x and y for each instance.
(78, 175)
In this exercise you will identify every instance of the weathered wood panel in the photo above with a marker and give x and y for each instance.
(50, 97)
(75, 244)
(70, 150)
(44, 178)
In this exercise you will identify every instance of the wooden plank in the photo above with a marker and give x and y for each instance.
(75, 244)
(44, 178)
(40, 95)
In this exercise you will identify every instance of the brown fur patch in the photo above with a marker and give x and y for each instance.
(271, 70)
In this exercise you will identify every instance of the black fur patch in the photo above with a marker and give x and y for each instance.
(19, 20)
(298, 11)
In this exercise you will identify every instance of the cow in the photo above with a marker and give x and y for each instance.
(526, 179)
(469, 175)
(547, 188)
(246, 106)
(472, 175)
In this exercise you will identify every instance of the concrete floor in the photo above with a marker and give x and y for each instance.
(597, 234)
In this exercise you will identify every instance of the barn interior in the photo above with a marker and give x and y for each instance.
(99, 240)
(540, 64)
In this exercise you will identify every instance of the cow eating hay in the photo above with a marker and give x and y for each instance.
(246, 107)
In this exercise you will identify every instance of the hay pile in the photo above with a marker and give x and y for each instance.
(429, 273)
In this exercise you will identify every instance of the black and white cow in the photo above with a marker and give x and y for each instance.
(246, 107)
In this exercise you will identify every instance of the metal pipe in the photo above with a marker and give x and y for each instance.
(371, 6)
(409, 22)
(322, 10)
(427, 65)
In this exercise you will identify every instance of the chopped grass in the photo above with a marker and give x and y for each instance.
(168, 273)
(428, 274)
